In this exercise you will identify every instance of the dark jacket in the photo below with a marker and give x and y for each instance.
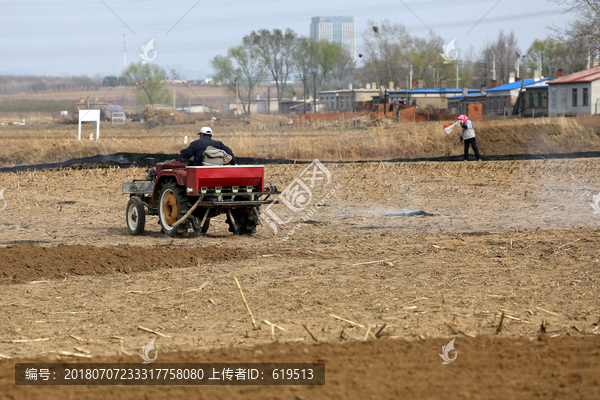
(198, 147)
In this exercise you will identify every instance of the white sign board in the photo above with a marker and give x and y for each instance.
(90, 115)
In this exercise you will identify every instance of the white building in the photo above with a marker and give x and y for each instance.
(335, 29)
(578, 93)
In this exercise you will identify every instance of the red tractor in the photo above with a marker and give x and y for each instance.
(186, 196)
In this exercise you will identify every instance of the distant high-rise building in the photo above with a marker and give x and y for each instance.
(336, 29)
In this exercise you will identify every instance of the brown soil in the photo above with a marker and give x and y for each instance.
(431, 251)
(485, 368)
(26, 262)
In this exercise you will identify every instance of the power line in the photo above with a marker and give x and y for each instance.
(202, 23)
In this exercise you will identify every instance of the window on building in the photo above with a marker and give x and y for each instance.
(531, 100)
(585, 101)
(499, 104)
(333, 103)
(342, 101)
(505, 101)
(574, 97)
(540, 100)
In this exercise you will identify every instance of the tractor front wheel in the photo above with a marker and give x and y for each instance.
(173, 205)
(135, 216)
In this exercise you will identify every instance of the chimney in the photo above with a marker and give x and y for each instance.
(596, 62)
(483, 89)
(560, 73)
(420, 84)
(511, 78)
(443, 83)
(391, 87)
(536, 75)
(374, 85)
(81, 100)
(494, 84)
(465, 90)
(368, 86)
(350, 86)
(414, 84)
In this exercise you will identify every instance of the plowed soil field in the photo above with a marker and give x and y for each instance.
(387, 264)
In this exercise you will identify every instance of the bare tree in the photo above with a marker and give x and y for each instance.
(505, 49)
(386, 47)
(149, 81)
(426, 61)
(241, 70)
(582, 36)
(275, 49)
(482, 65)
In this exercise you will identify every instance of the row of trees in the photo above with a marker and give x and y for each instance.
(282, 57)
(32, 84)
(389, 52)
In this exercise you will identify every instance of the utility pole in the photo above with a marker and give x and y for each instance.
(518, 62)
(174, 92)
(236, 92)
(410, 87)
(540, 64)
(494, 68)
(188, 97)
(124, 50)
(589, 60)
(457, 79)
(314, 93)
(304, 95)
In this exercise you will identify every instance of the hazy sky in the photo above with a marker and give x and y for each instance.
(72, 37)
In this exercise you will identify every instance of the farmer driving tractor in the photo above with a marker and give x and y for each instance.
(207, 151)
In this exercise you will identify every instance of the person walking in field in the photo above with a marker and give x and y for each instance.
(468, 136)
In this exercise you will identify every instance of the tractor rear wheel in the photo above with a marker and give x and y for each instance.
(196, 221)
(135, 216)
(245, 221)
(173, 204)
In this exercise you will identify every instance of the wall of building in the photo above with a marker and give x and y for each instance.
(475, 111)
(501, 102)
(342, 100)
(560, 98)
(595, 98)
(539, 106)
(430, 102)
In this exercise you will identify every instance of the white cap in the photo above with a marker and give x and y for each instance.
(205, 130)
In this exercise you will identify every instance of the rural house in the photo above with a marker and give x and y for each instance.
(578, 93)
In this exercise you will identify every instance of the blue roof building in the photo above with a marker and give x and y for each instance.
(502, 99)
(428, 98)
